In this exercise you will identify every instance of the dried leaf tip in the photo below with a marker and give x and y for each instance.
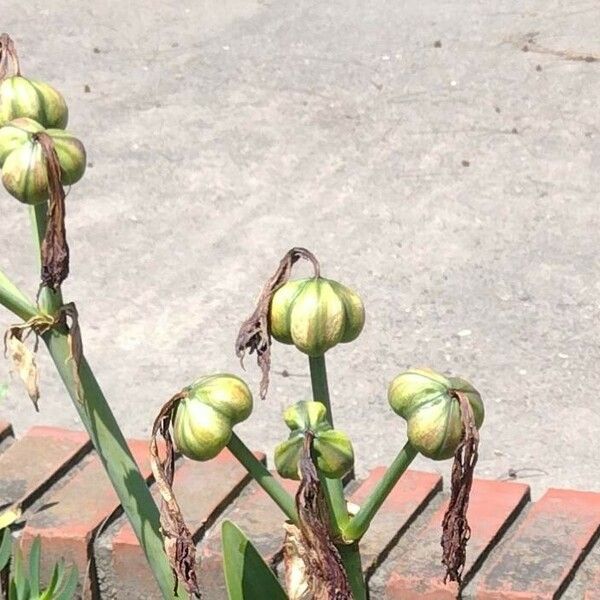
(254, 334)
(179, 544)
(455, 526)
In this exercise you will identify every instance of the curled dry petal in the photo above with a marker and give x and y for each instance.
(22, 358)
(23, 361)
(455, 527)
(179, 545)
(8, 57)
(55, 250)
(254, 334)
(314, 568)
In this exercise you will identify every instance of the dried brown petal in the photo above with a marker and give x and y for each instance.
(55, 250)
(22, 358)
(179, 545)
(455, 526)
(324, 573)
(254, 334)
(9, 61)
(294, 561)
(23, 361)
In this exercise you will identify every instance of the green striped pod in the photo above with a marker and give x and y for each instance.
(315, 315)
(332, 449)
(21, 97)
(24, 172)
(428, 403)
(204, 419)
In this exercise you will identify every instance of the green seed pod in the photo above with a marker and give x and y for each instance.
(428, 402)
(315, 315)
(333, 450)
(205, 418)
(15, 134)
(21, 97)
(24, 172)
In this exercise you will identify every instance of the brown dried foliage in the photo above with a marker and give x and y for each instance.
(455, 526)
(254, 334)
(23, 358)
(320, 575)
(179, 545)
(55, 250)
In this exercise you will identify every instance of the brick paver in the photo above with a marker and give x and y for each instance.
(419, 573)
(537, 561)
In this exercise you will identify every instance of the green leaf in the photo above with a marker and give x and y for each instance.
(34, 567)
(19, 575)
(57, 574)
(247, 575)
(5, 548)
(70, 586)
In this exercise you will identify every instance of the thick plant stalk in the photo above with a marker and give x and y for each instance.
(107, 438)
(359, 524)
(334, 489)
(351, 558)
(263, 477)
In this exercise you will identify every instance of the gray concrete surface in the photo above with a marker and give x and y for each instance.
(222, 133)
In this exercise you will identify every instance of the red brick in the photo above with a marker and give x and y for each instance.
(202, 490)
(6, 430)
(419, 573)
(73, 514)
(259, 518)
(537, 561)
(405, 502)
(593, 587)
(37, 460)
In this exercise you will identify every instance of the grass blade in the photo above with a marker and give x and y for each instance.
(70, 586)
(34, 567)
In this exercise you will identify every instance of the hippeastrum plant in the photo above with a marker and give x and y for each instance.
(38, 160)
(321, 547)
(321, 535)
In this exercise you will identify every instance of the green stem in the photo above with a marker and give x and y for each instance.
(359, 524)
(318, 380)
(263, 477)
(334, 488)
(14, 299)
(106, 436)
(350, 555)
(115, 455)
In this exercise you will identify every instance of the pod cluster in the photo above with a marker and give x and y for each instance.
(204, 419)
(315, 315)
(428, 403)
(332, 449)
(27, 109)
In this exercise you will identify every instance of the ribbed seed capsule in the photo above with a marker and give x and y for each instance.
(315, 315)
(204, 420)
(24, 172)
(332, 448)
(21, 97)
(427, 401)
